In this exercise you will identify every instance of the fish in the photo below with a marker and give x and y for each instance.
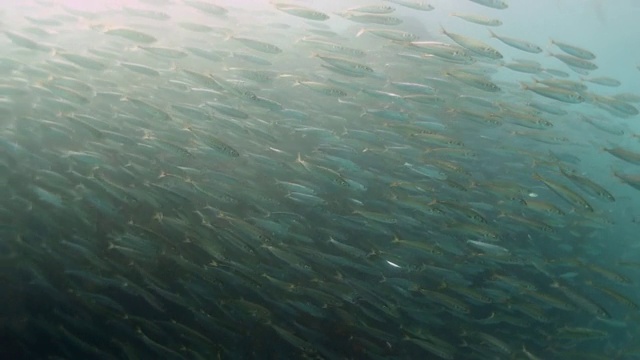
(414, 4)
(414, 88)
(478, 19)
(140, 68)
(219, 146)
(489, 248)
(497, 344)
(449, 302)
(622, 299)
(477, 47)
(164, 52)
(545, 207)
(518, 43)
(479, 82)
(25, 41)
(588, 185)
(379, 217)
(318, 43)
(373, 9)
(560, 94)
(614, 106)
(524, 67)
(257, 45)
(547, 108)
(83, 61)
(574, 50)
(575, 62)
(495, 4)
(133, 35)
(445, 51)
(604, 81)
(389, 34)
(580, 334)
(345, 64)
(207, 8)
(148, 14)
(366, 18)
(632, 180)
(322, 88)
(303, 12)
(627, 155)
(463, 209)
(567, 194)
(583, 302)
(445, 351)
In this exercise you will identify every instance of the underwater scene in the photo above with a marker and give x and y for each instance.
(308, 179)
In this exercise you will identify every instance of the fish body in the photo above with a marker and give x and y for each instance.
(518, 43)
(133, 35)
(588, 185)
(621, 153)
(478, 19)
(574, 50)
(631, 180)
(576, 62)
(366, 18)
(567, 194)
(258, 45)
(478, 82)
(303, 12)
(495, 4)
(389, 34)
(560, 94)
(477, 47)
(414, 4)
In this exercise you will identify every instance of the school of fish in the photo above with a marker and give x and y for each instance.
(190, 179)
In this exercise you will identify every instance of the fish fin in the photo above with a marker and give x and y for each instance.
(443, 30)
(433, 202)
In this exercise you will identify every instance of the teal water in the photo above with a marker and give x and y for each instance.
(319, 180)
